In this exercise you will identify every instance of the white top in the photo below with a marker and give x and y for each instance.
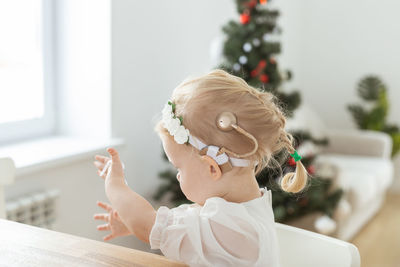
(220, 233)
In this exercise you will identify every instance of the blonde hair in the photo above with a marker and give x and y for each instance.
(200, 100)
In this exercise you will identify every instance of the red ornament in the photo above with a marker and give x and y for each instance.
(244, 18)
(264, 78)
(263, 2)
(311, 169)
(262, 64)
(292, 162)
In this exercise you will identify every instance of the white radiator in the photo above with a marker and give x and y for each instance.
(38, 209)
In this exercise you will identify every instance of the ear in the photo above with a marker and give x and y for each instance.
(213, 167)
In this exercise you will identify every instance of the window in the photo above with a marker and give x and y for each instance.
(26, 78)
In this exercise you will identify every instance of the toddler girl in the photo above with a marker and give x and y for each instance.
(219, 133)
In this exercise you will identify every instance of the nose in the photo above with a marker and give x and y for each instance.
(178, 176)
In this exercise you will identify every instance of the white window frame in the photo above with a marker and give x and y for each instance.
(34, 128)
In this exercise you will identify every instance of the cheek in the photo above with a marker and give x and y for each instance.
(187, 181)
(192, 180)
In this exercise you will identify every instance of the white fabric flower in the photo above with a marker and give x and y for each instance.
(167, 111)
(167, 122)
(168, 107)
(173, 126)
(167, 117)
(181, 136)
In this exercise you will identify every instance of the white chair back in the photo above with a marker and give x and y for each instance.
(7, 175)
(302, 248)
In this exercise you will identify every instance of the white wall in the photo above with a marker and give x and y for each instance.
(330, 45)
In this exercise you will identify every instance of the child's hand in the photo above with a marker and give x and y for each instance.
(114, 223)
(115, 169)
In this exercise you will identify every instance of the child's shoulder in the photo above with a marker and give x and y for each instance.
(265, 197)
(215, 205)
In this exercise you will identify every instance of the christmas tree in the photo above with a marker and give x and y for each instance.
(249, 52)
(373, 91)
(250, 49)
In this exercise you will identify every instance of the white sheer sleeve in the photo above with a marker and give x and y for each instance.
(218, 234)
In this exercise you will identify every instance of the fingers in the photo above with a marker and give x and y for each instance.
(117, 168)
(114, 154)
(106, 165)
(116, 214)
(102, 168)
(99, 165)
(108, 237)
(101, 158)
(105, 169)
(104, 227)
(116, 161)
(104, 206)
(102, 216)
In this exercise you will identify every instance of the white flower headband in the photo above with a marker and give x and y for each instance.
(174, 124)
(182, 135)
